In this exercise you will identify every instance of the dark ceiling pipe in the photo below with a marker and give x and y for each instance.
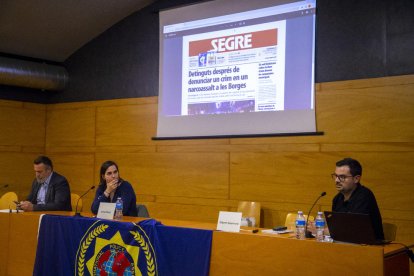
(30, 74)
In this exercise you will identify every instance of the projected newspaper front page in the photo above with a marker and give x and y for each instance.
(237, 68)
(243, 72)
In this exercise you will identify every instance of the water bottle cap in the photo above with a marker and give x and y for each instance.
(320, 213)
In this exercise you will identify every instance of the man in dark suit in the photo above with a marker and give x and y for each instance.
(50, 190)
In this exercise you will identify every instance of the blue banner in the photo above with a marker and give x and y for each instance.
(88, 246)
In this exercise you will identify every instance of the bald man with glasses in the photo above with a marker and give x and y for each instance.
(353, 197)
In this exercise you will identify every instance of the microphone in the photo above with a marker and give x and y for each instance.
(77, 202)
(309, 234)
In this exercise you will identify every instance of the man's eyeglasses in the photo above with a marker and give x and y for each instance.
(341, 177)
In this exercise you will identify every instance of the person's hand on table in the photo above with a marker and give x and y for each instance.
(25, 206)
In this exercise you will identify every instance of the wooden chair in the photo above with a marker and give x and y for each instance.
(291, 219)
(73, 200)
(250, 209)
(390, 231)
(6, 200)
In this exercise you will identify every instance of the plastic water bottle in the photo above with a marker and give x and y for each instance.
(300, 226)
(119, 205)
(320, 227)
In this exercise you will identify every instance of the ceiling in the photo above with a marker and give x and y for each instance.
(54, 29)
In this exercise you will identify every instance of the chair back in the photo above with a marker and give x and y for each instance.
(290, 221)
(390, 231)
(73, 200)
(250, 209)
(6, 200)
(142, 211)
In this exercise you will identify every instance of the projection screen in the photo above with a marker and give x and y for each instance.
(237, 67)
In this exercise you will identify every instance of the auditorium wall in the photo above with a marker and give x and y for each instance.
(371, 120)
(22, 138)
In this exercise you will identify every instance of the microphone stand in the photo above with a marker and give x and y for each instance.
(77, 214)
(308, 234)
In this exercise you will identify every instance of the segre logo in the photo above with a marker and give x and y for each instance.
(232, 43)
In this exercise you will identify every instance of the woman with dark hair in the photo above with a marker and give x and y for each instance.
(111, 186)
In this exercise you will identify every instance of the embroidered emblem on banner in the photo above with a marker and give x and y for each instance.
(106, 251)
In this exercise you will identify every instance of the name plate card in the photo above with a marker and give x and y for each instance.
(106, 210)
(229, 221)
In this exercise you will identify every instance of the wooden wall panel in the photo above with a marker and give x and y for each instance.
(126, 125)
(366, 114)
(191, 175)
(71, 127)
(22, 124)
(22, 139)
(390, 176)
(281, 177)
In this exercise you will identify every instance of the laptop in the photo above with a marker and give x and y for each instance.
(352, 228)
